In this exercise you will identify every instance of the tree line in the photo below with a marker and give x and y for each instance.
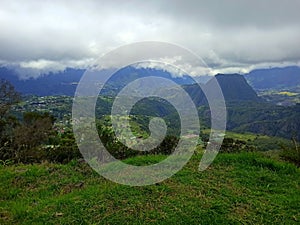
(32, 138)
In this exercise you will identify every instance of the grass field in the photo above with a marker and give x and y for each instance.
(243, 188)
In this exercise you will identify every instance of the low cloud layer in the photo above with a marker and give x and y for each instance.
(230, 36)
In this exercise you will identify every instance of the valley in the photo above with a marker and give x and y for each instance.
(254, 179)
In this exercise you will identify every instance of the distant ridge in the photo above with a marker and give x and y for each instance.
(59, 83)
(65, 82)
(274, 78)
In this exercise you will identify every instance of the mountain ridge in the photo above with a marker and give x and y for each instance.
(274, 78)
(64, 82)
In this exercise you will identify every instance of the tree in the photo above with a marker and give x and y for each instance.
(62, 148)
(35, 129)
(8, 97)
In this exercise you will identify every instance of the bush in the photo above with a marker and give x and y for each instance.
(291, 154)
(62, 148)
(231, 145)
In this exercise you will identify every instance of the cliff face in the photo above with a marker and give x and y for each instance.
(234, 87)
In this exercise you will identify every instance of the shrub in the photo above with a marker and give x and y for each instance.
(291, 154)
(231, 145)
(62, 148)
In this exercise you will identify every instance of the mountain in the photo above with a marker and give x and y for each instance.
(129, 74)
(65, 82)
(59, 83)
(274, 78)
(234, 87)
(267, 119)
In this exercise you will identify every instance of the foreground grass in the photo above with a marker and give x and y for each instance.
(245, 188)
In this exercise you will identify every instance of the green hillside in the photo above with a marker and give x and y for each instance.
(243, 188)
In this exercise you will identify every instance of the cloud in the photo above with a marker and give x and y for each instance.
(233, 35)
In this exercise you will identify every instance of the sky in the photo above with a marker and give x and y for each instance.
(230, 36)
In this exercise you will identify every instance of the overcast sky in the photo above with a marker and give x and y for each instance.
(230, 36)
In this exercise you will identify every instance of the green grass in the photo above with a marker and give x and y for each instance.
(244, 188)
(262, 142)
